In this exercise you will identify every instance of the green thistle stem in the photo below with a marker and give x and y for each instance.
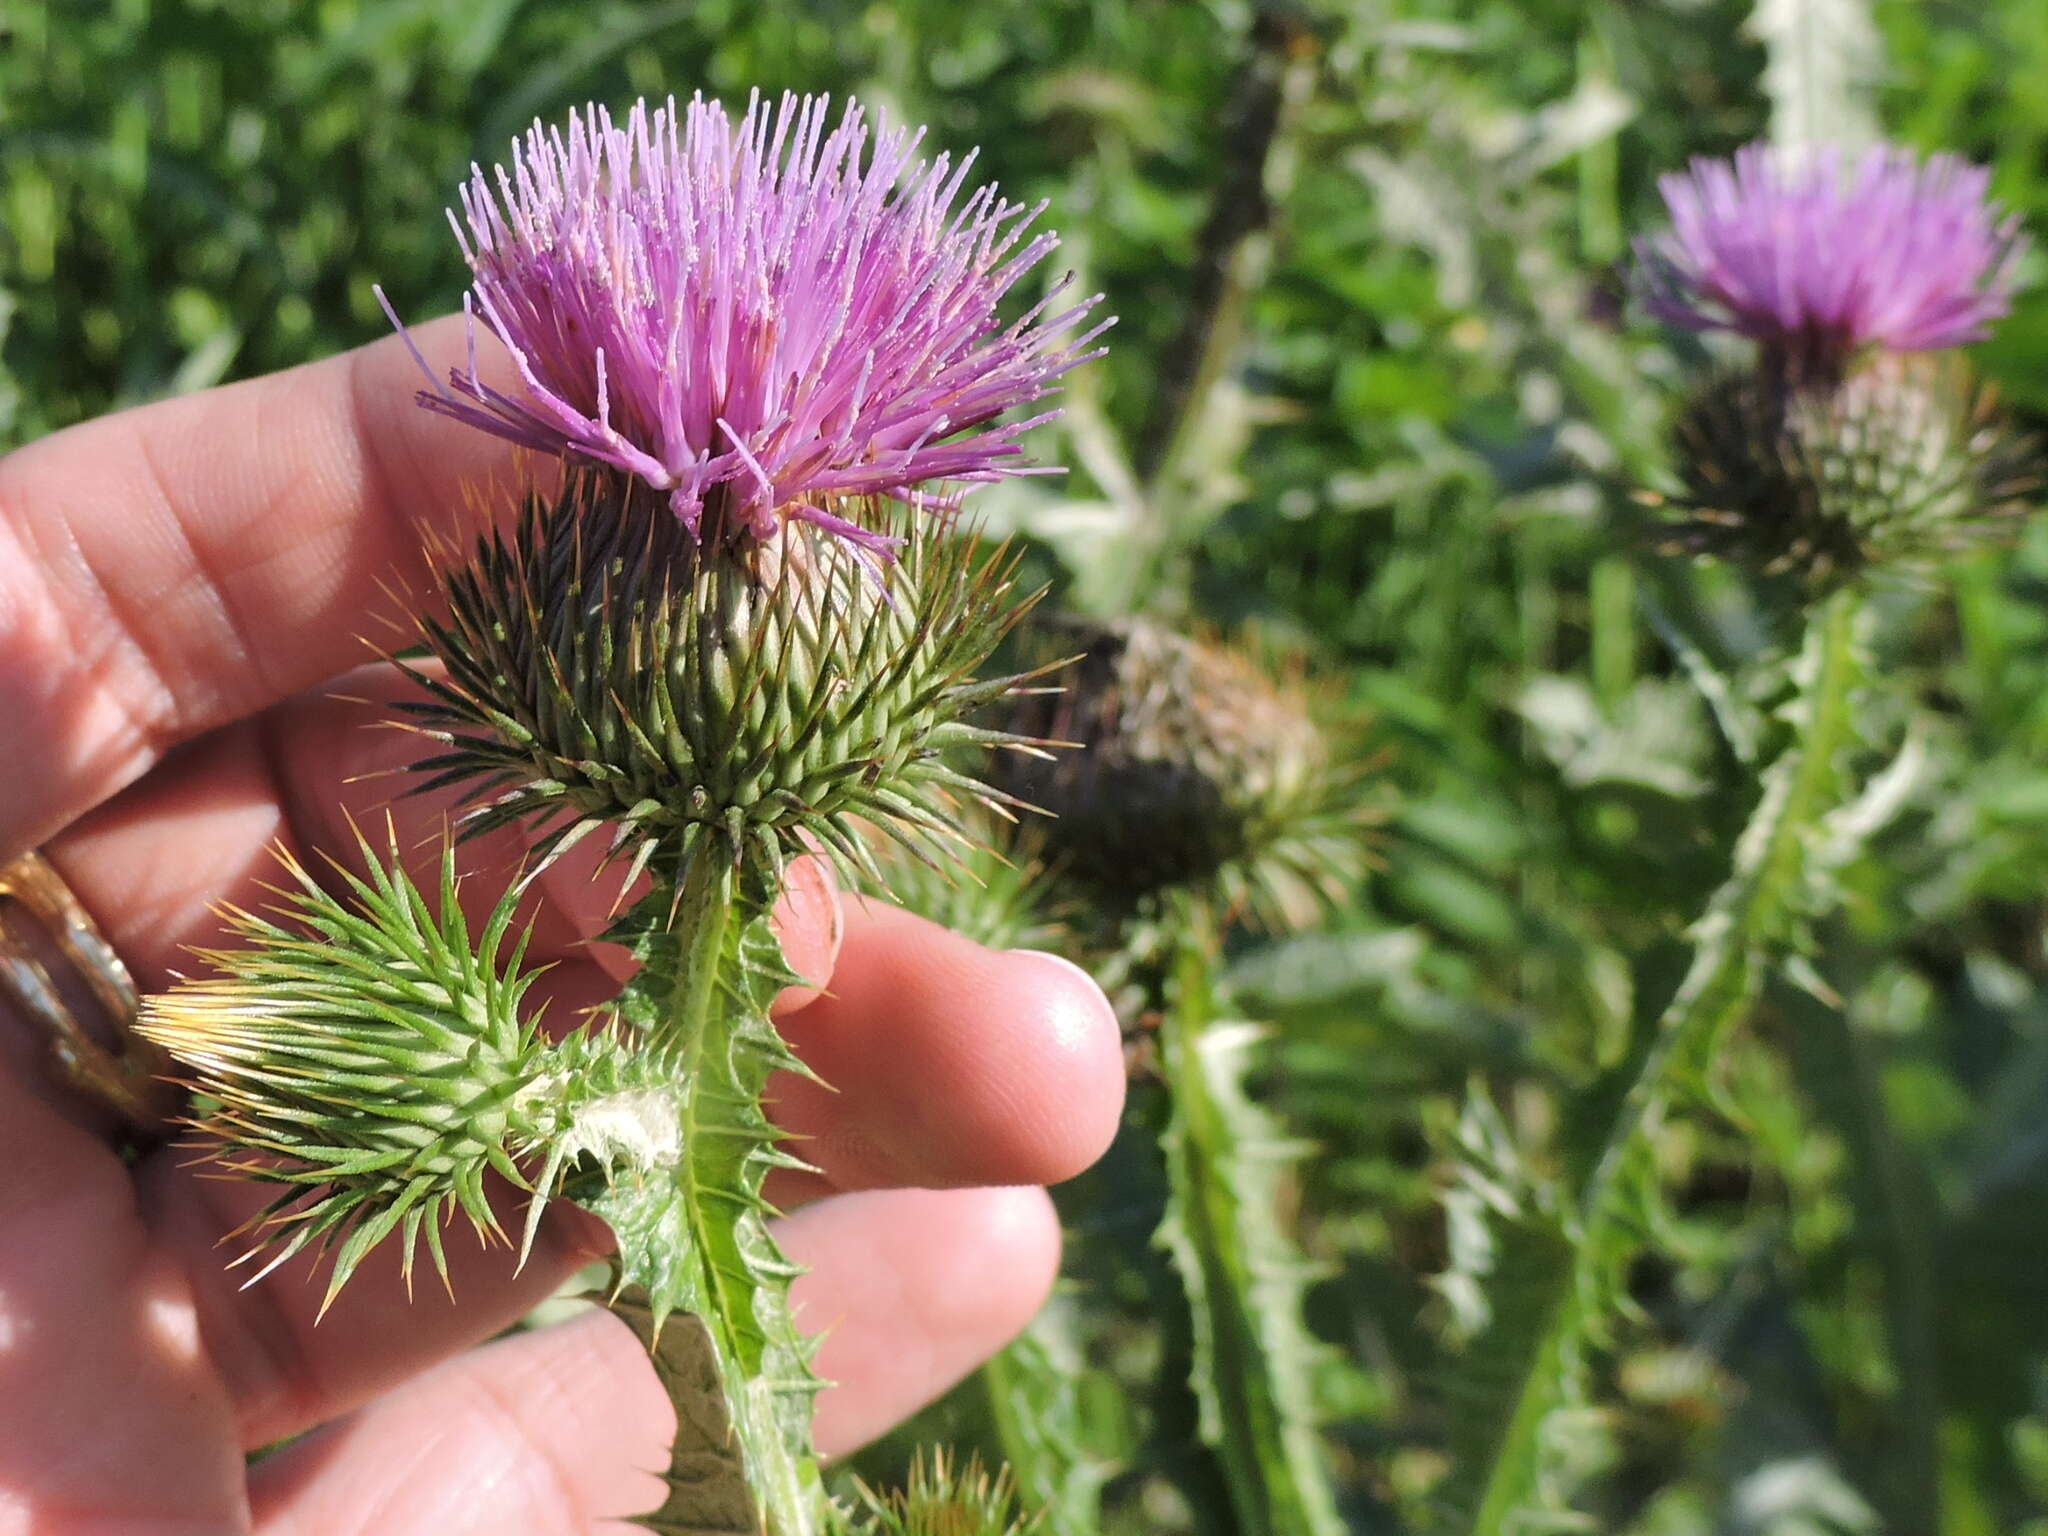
(697, 1241)
(1244, 1278)
(704, 920)
(1749, 915)
(1752, 920)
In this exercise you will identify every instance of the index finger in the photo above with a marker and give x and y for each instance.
(170, 568)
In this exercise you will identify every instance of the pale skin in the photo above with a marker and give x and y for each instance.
(181, 586)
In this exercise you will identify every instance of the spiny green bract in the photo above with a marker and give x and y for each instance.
(377, 1061)
(945, 1499)
(604, 667)
(996, 892)
(1195, 770)
(1901, 464)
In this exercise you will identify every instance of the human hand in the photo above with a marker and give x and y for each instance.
(179, 587)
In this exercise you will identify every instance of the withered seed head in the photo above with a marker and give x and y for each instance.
(1190, 768)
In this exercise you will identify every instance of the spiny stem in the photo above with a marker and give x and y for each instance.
(698, 1240)
(1751, 909)
(1253, 1365)
(1746, 924)
(704, 916)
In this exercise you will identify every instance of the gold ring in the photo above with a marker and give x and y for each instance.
(56, 965)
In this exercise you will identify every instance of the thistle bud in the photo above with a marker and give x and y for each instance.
(1901, 464)
(1191, 768)
(946, 1499)
(605, 666)
(377, 1064)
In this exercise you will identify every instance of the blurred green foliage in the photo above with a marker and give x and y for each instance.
(1419, 463)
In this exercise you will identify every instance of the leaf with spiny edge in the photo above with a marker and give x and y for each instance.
(708, 1493)
(1035, 1391)
(1520, 1318)
(1254, 1358)
(697, 1240)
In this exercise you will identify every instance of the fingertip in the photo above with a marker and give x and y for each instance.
(951, 1064)
(1024, 1226)
(1081, 1060)
(912, 1289)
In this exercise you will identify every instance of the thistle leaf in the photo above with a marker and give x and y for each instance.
(1254, 1359)
(708, 1493)
(1521, 1322)
(1035, 1397)
(1758, 916)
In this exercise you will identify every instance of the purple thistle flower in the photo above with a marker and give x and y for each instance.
(765, 313)
(1817, 259)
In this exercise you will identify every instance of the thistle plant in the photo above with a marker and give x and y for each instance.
(1847, 445)
(744, 627)
(1203, 792)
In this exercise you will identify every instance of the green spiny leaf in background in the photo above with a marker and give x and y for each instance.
(1035, 1397)
(1518, 1322)
(1254, 1360)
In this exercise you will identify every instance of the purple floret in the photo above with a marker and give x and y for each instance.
(764, 311)
(1820, 258)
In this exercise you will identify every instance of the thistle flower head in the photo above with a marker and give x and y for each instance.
(1192, 768)
(1819, 258)
(1906, 461)
(765, 320)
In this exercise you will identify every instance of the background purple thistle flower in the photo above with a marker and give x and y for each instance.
(1821, 259)
(766, 308)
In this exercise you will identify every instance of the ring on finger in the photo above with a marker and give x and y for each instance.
(58, 968)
